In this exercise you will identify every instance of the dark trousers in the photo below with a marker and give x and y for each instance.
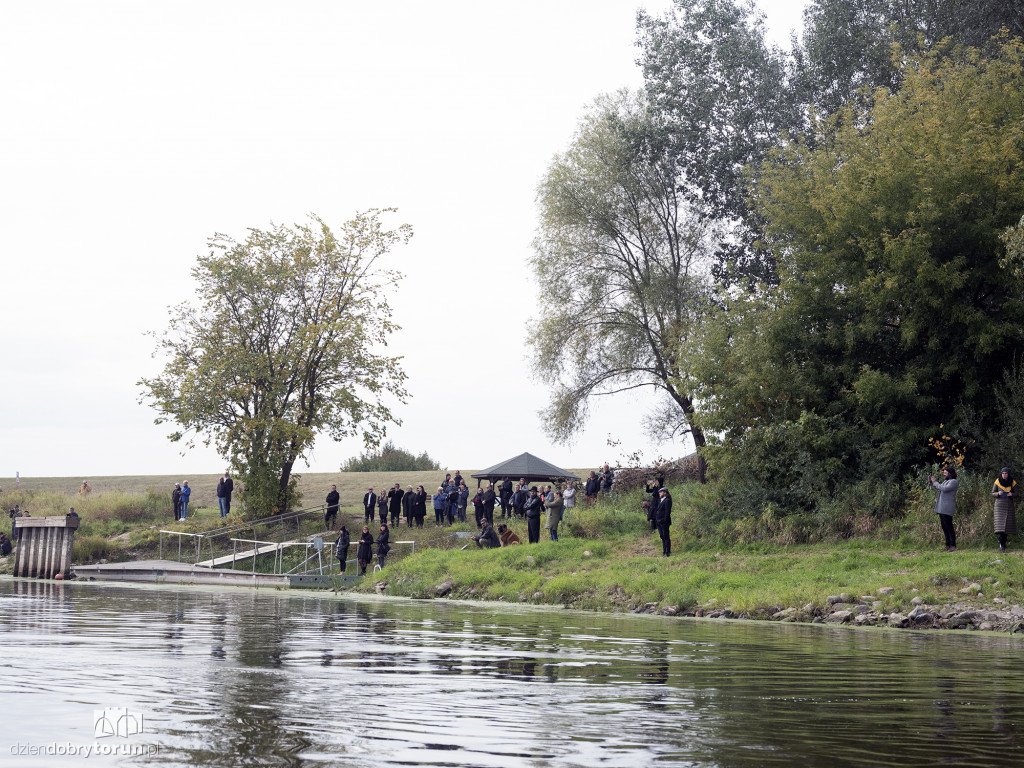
(331, 518)
(533, 529)
(369, 514)
(343, 556)
(666, 542)
(947, 529)
(395, 517)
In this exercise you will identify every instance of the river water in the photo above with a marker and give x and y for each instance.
(214, 677)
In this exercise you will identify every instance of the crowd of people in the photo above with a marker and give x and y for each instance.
(451, 503)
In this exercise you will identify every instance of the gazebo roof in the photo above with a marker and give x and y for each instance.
(525, 465)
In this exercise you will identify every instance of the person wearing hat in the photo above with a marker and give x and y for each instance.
(1005, 512)
(945, 504)
(663, 517)
(532, 508)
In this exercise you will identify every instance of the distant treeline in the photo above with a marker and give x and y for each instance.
(390, 458)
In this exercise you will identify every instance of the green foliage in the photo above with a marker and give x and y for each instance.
(621, 254)
(285, 343)
(892, 309)
(389, 458)
(721, 96)
(849, 45)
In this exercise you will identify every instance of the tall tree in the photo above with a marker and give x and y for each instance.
(622, 256)
(720, 94)
(286, 341)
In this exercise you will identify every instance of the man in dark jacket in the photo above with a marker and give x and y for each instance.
(532, 507)
(663, 516)
(489, 499)
(395, 496)
(331, 515)
(487, 539)
(176, 501)
(505, 497)
(224, 488)
(369, 504)
(591, 488)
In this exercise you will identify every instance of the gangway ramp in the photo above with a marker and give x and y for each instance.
(234, 557)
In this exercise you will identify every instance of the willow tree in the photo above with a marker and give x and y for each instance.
(622, 260)
(286, 340)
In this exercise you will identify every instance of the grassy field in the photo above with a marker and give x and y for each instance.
(313, 485)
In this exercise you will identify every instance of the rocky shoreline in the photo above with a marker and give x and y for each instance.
(973, 613)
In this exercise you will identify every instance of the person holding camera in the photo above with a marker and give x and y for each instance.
(945, 504)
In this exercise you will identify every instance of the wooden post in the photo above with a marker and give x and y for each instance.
(44, 546)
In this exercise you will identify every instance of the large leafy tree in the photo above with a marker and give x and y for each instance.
(721, 95)
(286, 339)
(622, 256)
(892, 309)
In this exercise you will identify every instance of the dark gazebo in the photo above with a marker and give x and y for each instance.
(525, 465)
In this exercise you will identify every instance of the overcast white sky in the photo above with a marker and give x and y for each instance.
(133, 131)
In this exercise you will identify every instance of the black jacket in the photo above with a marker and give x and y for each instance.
(224, 488)
(409, 504)
(383, 543)
(592, 487)
(369, 502)
(332, 501)
(365, 551)
(533, 506)
(419, 505)
(489, 499)
(488, 538)
(395, 500)
(663, 514)
(505, 489)
(341, 545)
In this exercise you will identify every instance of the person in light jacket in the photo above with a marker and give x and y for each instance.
(945, 505)
(554, 508)
(186, 493)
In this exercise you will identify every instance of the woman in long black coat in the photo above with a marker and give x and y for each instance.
(341, 547)
(383, 545)
(365, 552)
(419, 505)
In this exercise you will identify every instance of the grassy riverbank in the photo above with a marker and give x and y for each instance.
(608, 559)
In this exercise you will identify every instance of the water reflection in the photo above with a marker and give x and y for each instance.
(245, 678)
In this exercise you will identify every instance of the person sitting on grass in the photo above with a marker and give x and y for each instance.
(488, 538)
(508, 536)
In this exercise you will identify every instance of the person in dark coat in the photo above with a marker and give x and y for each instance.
(383, 545)
(463, 502)
(478, 507)
(176, 501)
(365, 551)
(369, 504)
(331, 515)
(225, 487)
(519, 497)
(505, 498)
(593, 485)
(5, 545)
(489, 499)
(487, 539)
(664, 520)
(1005, 512)
(532, 508)
(382, 507)
(652, 487)
(395, 496)
(407, 503)
(419, 505)
(453, 504)
(341, 547)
